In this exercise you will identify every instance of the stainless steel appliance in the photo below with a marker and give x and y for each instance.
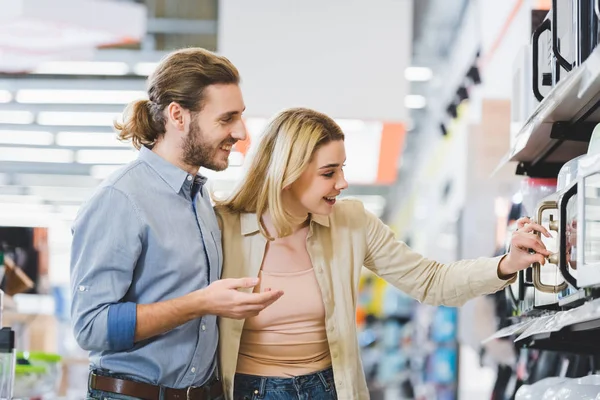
(588, 224)
(563, 41)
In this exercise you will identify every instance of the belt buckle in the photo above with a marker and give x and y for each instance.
(188, 392)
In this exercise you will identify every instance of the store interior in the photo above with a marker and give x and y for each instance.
(460, 117)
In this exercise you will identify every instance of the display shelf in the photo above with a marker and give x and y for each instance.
(575, 330)
(561, 126)
(583, 341)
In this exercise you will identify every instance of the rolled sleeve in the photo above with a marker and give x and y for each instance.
(121, 326)
(107, 242)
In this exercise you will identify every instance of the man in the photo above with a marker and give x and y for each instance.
(146, 254)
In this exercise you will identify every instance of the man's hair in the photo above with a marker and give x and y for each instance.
(180, 77)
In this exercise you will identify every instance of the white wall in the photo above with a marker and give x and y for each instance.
(498, 69)
(344, 58)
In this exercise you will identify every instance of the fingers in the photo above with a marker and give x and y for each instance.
(522, 221)
(240, 283)
(264, 298)
(253, 303)
(525, 224)
(536, 258)
(533, 228)
(526, 241)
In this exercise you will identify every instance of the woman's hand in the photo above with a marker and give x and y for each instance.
(525, 248)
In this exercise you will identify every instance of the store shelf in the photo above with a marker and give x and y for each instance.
(566, 340)
(575, 330)
(561, 126)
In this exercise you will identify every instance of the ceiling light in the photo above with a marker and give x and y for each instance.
(28, 154)
(32, 96)
(76, 118)
(415, 101)
(105, 156)
(34, 138)
(418, 74)
(89, 139)
(82, 68)
(16, 117)
(5, 96)
(144, 68)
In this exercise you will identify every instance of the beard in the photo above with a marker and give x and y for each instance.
(197, 151)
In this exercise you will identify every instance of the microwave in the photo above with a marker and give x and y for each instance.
(588, 222)
(563, 41)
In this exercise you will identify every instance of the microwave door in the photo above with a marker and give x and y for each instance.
(588, 232)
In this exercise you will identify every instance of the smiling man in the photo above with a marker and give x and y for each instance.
(146, 255)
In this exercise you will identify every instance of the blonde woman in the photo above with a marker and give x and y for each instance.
(285, 225)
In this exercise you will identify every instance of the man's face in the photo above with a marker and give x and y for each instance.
(216, 128)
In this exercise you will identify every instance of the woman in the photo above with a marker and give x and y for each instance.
(285, 225)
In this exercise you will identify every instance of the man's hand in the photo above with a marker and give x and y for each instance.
(222, 298)
(525, 248)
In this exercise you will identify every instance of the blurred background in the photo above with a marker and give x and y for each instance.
(428, 93)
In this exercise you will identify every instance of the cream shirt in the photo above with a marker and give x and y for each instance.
(339, 245)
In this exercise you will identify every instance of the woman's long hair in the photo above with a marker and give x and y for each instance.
(286, 148)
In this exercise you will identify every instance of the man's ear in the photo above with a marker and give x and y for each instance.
(176, 116)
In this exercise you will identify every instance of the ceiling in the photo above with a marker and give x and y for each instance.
(47, 168)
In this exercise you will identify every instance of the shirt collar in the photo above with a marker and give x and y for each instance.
(249, 222)
(173, 175)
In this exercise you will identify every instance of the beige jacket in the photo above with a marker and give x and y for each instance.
(339, 246)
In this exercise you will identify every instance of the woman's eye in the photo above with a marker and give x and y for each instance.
(328, 175)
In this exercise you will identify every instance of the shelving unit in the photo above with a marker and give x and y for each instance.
(560, 128)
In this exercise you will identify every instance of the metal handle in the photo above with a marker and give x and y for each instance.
(553, 225)
(544, 26)
(562, 264)
(537, 267)
(561, 60)
(597, 8)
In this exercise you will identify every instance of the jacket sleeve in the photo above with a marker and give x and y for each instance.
(426, 280)
(107, 242)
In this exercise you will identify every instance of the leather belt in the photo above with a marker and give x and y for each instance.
(146, 391)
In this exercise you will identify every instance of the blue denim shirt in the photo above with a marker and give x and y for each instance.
(148, 234)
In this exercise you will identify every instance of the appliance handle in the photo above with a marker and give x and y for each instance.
(561, 60)
(597, 8)
(562, 259)
(537, 267)
(544, 26)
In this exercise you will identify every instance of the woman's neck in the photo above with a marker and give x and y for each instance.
(270, 228)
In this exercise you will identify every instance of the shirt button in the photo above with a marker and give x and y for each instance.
(193, 370)
(335, 354)
(82, 288)
(320, 270)
(189, 178)
(203, 327)
(340, 383)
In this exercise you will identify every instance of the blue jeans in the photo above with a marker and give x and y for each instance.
(319, 385)
(94, 394)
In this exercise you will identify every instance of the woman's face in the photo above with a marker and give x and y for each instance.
(323, 180)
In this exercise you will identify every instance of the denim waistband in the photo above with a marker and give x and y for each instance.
(268, 383)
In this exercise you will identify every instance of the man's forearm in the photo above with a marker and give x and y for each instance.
(157, 318)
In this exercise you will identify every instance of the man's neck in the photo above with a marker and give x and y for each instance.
(172, 154)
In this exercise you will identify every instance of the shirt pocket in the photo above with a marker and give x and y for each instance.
(216, 235)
